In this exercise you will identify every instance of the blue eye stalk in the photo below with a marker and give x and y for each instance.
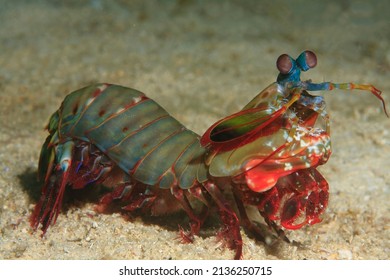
(290, 76)
(290, 69)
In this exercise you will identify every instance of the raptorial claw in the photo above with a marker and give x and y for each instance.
(297, 200)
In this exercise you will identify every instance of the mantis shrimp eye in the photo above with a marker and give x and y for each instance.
(307, 60)
(284, 64)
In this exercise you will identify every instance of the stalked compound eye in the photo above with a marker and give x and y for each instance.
(307, 60)
(284, 64)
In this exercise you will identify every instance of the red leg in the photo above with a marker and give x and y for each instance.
(246, 222)
(196, 220)
(230, 234)
(140, 201)
(267, 203)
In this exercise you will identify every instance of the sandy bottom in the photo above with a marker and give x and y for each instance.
(201, 61)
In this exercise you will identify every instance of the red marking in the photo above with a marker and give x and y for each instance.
(99, 91)
(75, 108)
(115, 114)
(102, 112)
(129, 105)
(125, 129)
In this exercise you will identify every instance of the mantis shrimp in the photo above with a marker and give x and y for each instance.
(265, 156)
